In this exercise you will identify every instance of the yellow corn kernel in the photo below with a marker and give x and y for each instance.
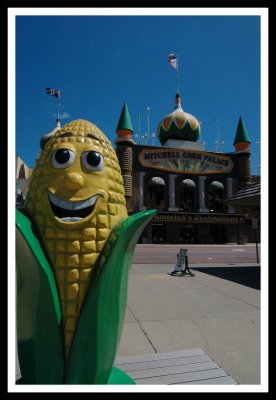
(102, 233)
(84, 274)
(73, 247)
(88, 259)
(88, 246)
(73, 275)
(89, 233)
(72, 291)
(72, 260)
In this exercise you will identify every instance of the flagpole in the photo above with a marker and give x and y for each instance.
(138, 127)
(58, 110)
(177, 76)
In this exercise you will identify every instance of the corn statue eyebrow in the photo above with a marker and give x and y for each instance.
(93, 136)
(70, 134)
(66, 134)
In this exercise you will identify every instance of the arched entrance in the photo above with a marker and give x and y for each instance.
(187, 195)
(156, 193)
(216, 205)
(216, 196)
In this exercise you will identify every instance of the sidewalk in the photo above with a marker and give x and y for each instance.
(217, 310)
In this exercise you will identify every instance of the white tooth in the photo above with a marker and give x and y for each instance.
(65, 204)
(72, 205)
(92, 200)
(53, 199)
(80, 204)
(71, 219)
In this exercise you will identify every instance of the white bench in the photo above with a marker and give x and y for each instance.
(182, 367)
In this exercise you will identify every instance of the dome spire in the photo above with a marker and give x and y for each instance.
(177, 101)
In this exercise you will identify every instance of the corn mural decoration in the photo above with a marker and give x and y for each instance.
(75, 199)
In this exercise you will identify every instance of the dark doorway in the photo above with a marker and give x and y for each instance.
(218, 234)
(156, 193)
(158, 233)
(187, 234)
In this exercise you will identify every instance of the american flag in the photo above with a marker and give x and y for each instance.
(173, 60)
(53, 92)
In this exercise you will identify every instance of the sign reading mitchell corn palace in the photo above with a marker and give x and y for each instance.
(185, 161)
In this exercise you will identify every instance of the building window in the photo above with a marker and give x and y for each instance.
(156, 194)
(216, 196)
(187, 195)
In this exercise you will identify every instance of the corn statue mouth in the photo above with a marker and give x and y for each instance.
(72, 211)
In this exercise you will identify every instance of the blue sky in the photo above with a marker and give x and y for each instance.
(98, 62)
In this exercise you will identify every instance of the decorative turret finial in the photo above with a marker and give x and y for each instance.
(124, 128)
(177, 101)
(125, 142)
(241, 141)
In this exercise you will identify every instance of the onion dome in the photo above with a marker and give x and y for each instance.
(178, 125)
(49, 135)
(241, 141)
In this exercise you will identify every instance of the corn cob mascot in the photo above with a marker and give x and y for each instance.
(74, 247)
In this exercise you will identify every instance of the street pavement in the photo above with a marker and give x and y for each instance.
(198, 253)
(217, 310)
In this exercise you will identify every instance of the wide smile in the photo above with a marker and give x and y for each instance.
(72, 211)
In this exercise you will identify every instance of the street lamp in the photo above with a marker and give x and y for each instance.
(148, 110)
(153, 136)
(146, 137)
(139, 125)
(259, 159)
(217, 142)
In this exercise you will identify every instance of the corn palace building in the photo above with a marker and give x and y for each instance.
(187, 185)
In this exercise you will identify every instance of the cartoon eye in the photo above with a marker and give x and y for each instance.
(92, 160)
(62, 158)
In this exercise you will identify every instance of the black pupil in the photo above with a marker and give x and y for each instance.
(62, 156)
(93, 158)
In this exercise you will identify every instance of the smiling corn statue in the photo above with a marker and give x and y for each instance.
(75, 201)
